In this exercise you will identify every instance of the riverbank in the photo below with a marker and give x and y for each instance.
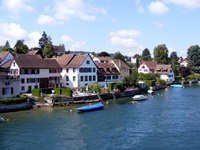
(66, 101)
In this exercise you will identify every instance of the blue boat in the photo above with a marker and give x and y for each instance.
(176, 85)
(91, 107)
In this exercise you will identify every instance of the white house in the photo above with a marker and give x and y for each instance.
(77, 70)
(35, 72)
(165, 71)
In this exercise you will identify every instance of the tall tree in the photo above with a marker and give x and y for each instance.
(103, 54)
(46, 46)
(43, 40)
(161, 54)
(20, 47)
(146, 55)
(118, 55)
(193, 56)
(173, 57)
(48, 50)
(7, 44)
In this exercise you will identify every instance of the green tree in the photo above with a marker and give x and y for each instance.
(94, 88)
(184, 71)
(20, 47)
(161, 54)
(7, 44)
(146, 55)
(131, 80)
(103, 54)
(193, 56)
(118, 55)
(48, 50)
(43, 40)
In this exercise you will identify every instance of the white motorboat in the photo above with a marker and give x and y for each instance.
(150, 92)
(139, 97)
(1, 119)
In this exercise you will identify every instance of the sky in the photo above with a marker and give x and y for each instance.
(125, 26)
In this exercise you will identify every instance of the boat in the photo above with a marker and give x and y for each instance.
(150, 92)
(1, 119)
(91, 107)
(176, 85)
(139, 97)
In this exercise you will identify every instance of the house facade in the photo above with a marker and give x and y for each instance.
(107, 73)
(121, 67)
(165, 71)
(34, 72)
(77, 70)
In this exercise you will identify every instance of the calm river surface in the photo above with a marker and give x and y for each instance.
(168, 120)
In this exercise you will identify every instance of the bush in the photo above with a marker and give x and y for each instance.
(8, 101)
(66, 92)
(36, 92)
(57, 91)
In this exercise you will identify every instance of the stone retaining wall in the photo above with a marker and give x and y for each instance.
(15, 107)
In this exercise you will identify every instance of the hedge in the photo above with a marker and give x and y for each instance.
(57, 91)
(67, 92)
(7, 101)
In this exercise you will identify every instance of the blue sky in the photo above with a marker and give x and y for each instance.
(127, 26)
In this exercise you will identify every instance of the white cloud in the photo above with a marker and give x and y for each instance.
(124, 39)
(13, 32)
(185, 3)
(158, 24)
(17, 6)
(33, 39)
(44, 19)
(158, 8)
(66, 9)
(126, 33)
(77, 46)
(123, 42)
(71, 44)
(66, 39)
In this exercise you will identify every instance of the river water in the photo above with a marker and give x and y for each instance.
(169, 120)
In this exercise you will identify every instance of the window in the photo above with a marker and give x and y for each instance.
(12, 90)
(22, 88)
(74, 78)
(143, 67)
(81, 78)
(22, 80)
(87, 62)
(14, 64)
(89, 69)
(94, 69)
(5, 91)
(67, 70)
(86, 78)
(67, 78)
(74, 70)
(94, 78)
(90, 78)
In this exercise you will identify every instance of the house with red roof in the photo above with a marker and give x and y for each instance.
(165, 71)
(119, 65)
(35, 72)
(77, 70)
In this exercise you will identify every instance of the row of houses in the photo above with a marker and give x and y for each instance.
(24, 72)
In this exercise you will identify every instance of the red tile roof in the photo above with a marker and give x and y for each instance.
(3, 55)
(33, 61)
